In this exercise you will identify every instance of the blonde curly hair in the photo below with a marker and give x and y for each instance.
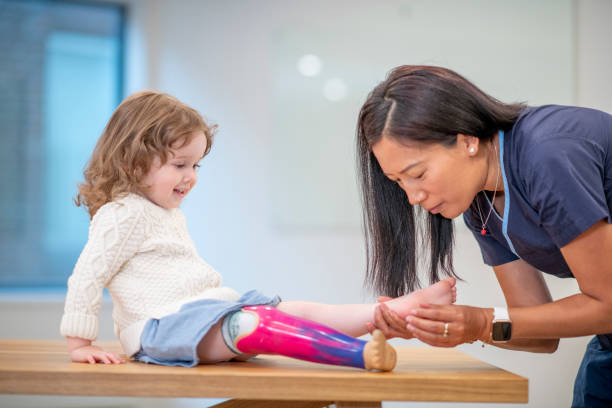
(145, 125)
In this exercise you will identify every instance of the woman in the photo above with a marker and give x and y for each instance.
(534, 184)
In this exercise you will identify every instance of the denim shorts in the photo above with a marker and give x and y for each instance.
(173, 339)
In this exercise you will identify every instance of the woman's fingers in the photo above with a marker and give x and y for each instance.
(390, 323)
(436, 312)
(436, 333)
(379, 320)
(397, 325)
(393, 319)
(437, 340)
(381, 323)
(465, 324)
(431, 326)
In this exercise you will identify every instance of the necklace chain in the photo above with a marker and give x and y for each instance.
(484, 223)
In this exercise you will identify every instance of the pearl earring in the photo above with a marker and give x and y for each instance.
(472, 150)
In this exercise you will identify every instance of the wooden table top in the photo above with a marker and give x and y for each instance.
(422, 374)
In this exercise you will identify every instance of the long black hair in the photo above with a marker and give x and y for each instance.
(429, 105)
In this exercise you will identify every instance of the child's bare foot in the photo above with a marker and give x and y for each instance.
(378, 354)
(443, 292)
(439, 291)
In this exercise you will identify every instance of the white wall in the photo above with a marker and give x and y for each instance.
(223, 58)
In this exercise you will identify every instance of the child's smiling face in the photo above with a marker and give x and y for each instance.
(167, 184)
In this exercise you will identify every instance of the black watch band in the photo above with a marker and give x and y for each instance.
(501, 329)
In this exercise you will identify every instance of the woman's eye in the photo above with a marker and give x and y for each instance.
(179, 166)
(196, 166)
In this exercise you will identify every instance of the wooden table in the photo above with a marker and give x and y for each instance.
(422, 374)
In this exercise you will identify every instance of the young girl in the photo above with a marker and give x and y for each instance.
(169, 305)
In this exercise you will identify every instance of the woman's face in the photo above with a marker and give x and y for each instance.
(440, 179)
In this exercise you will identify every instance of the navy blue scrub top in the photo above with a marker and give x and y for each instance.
(557, 170)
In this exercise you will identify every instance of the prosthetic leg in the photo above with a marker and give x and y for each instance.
(267, 330)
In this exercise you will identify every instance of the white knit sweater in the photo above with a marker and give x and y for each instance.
(143, 255)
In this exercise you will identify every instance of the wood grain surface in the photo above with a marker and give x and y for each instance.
(422, 374)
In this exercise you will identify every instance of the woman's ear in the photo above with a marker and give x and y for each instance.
(468, 144)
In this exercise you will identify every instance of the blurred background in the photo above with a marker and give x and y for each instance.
(277, 206)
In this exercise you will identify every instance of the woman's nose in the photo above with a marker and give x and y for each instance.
(415, 197)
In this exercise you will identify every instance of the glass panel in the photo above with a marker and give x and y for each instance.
(60, 79)
(78, 68)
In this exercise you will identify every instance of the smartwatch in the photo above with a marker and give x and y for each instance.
(501, 330)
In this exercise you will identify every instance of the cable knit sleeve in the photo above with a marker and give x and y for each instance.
(115, 234)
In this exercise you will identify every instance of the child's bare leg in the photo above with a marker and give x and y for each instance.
(443, 293)
(353, 319)
(212, 348)
(350, 319)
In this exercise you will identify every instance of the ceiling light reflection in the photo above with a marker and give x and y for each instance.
(309, 65)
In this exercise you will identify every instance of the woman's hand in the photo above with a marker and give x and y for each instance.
(464, 324)
(389, 322)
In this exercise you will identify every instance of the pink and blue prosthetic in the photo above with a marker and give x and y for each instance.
(267, 330)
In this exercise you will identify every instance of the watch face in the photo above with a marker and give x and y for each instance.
(502, 331)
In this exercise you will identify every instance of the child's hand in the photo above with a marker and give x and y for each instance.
(94, 354)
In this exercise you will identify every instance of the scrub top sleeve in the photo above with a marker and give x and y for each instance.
(493, 252)
(564, 184)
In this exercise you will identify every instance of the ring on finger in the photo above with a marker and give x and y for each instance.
(445, 334)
